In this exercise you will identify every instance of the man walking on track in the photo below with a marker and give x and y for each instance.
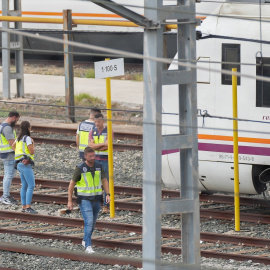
(83, 131)
(7, 138)
(98, 140)
(87, 178)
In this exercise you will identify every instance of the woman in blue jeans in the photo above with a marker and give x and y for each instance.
(24, 159)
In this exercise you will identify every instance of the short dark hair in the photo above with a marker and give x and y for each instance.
(13, 113)
(95, 111)
(99, 115)
(88, 149)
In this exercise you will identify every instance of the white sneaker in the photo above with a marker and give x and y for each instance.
(89, 250)
(83, 243)
(5, 200)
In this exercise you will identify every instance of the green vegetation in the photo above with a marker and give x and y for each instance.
(137, 77)
(4, 113)
(90, 73)
(84, 99)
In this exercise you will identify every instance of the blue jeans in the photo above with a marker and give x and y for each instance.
(104, 164)
(89, 210)
(8, 176)
(28, 183)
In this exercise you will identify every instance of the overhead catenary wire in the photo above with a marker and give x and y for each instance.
(205, 114)
(170, 124)
(151, 8)
(113, 55)
(128, 53)
(186, 12)
(134, 55)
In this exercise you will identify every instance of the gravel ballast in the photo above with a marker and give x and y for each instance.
(56, 162)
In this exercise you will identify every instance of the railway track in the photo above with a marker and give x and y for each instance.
(66, 229)
(70, 143)
(134, 203)
(72, 131)
(136, 191)
(70, 229)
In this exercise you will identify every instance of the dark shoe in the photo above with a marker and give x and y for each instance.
(23, 210)
(12, 200)
(31, 211)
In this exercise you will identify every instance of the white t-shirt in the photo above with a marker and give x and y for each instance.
(28, 140)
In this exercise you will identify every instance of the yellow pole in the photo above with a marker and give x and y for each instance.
(235, 151)
(110, 144)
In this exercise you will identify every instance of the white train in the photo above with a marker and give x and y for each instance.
(128, 39)
(236, 39)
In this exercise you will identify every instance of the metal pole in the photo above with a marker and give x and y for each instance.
(152, 138)
(235, 152)
(6, 52)
(189, 157)
(68, 63)
(110, 144)
(19, 53)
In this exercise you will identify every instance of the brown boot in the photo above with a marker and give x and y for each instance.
(105, 209)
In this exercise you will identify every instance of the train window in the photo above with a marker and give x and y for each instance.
(262, 88)
(231, 55)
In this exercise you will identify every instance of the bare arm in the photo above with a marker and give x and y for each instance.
(105, 184)
(10, 142)
(70, 192)
(95, 146)
(14, 146)
(31, 148)
(105, 146)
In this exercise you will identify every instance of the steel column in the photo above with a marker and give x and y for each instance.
(19, 52)
(17, 45)
(156, 75)
(68, 63)
(152, 142)
(5, 52)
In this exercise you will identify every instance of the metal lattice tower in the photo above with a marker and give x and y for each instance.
(156, 75)
(10, 42)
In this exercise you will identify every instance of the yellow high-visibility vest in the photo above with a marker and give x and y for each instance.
(22, 149)
(84, 128)
(89, 185)
(4, 145)
(100, 138)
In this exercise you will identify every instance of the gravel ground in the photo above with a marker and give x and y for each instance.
(127, 171)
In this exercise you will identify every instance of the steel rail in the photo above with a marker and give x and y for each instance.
(137, 207)
(69, 255)
(68, 143)
(136, 191)
(130, 245)
(138, 246)
(123, 227)
(61, 184)
(72, 131)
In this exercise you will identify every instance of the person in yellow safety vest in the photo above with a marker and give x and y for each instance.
(24, 159)
(7, 138)
(98, 140)
(88, 178)
(82, 134)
